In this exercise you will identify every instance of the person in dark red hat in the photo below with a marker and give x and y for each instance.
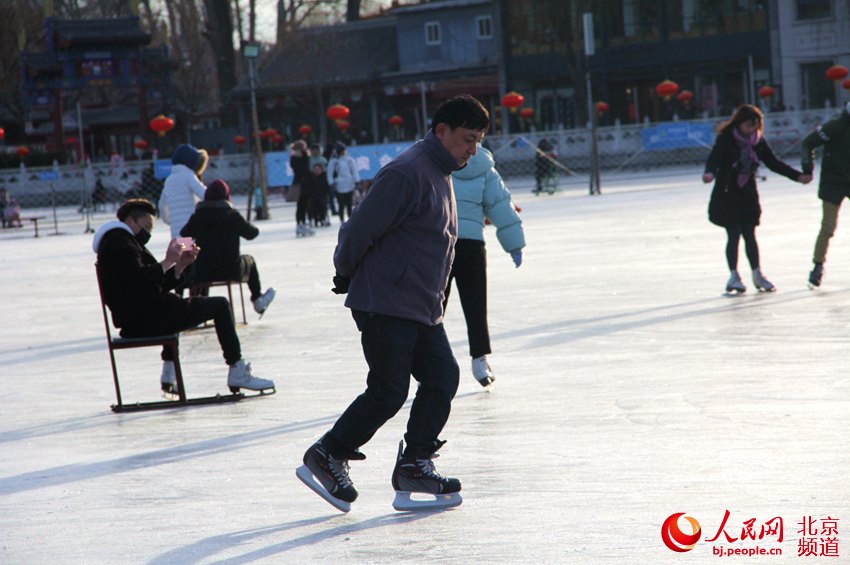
(216, 228)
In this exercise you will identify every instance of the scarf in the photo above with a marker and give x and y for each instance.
(748, 163)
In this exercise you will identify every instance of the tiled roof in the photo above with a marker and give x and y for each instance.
(342, 54)
(88, 32)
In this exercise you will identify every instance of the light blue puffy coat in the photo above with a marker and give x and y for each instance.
(480, 192)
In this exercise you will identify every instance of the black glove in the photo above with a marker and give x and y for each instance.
(341, 284)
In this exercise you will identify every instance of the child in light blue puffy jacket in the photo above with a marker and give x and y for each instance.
(481, 193)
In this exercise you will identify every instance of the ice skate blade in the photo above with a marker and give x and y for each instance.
(773, 289)
(734, 292)
(487, 384)
(308, 479)
(404, 503)
(259, 392)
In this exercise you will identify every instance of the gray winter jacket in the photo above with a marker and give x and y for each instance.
(398, 246)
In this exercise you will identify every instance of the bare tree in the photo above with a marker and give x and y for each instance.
(219, 33)
(195, 87)
(23, 20)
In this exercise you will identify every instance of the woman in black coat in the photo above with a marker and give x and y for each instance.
(738, 151)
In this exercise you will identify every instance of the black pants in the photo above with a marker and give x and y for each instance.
(395, 349)
(249, 273)
(469, 271)
(345, 200)
(189, 314)
(751, 246)
(302, 205)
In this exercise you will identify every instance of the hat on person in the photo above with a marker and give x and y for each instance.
(217, 190)
(340, 146)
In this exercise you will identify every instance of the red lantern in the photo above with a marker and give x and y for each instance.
(162, 125)
(22, 151)
(526, 113)
(71, 141)
(239, 140)
(2, 133)
(277, 138)
(338, 112)
(766, 92)
(836, 73)
(140, 144)
(305, 130)
(343, 125)
(601, 107)
(846, 83)
(513, 100)
(666, 89)
(396, 120)
(685, 96)
(268, 133)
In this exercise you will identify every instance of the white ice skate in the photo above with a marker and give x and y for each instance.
(418, 486)
(168, 381)
(263, 301)
(482, 371)
(735, 285)
(761, 282)
(303, 230)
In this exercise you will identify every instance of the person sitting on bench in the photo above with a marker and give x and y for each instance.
(136, 287)
(216, 228)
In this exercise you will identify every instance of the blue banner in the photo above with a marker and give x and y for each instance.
(162, 168)
(677, 135)
(368, 158)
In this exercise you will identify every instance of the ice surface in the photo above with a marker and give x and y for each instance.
(629, 388)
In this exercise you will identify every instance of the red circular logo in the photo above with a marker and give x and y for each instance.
(675, 538)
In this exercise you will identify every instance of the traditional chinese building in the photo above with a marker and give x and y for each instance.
(106, 64)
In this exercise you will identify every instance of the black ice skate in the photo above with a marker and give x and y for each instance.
(328, 476)
(417, 476)
(816, 276)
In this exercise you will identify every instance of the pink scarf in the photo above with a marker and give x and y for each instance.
(748, 163)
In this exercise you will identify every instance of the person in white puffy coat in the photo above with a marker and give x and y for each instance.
(480, 193)
(183, 188)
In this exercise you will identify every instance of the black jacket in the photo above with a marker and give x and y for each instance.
(216, 228)
(134, 286)
(834, 135)
(731, 204)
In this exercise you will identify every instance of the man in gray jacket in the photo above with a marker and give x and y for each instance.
(393, 259)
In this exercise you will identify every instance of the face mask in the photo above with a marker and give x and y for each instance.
(143, 237)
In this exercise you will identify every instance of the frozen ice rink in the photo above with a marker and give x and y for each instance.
(629, 388)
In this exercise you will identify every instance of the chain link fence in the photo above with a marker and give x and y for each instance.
(541, 161)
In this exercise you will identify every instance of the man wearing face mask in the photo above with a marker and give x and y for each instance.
(137, 289)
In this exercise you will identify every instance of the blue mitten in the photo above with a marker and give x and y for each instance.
(516, 255)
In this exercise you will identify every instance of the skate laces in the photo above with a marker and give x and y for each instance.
(339, 469)
(427, 468)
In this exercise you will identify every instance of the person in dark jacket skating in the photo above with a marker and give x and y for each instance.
(738, 151)
(216, 228)
(834, 187)
(393, 259)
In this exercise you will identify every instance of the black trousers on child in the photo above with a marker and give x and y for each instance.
(249, 273)
(395, 349)
(469, 271)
